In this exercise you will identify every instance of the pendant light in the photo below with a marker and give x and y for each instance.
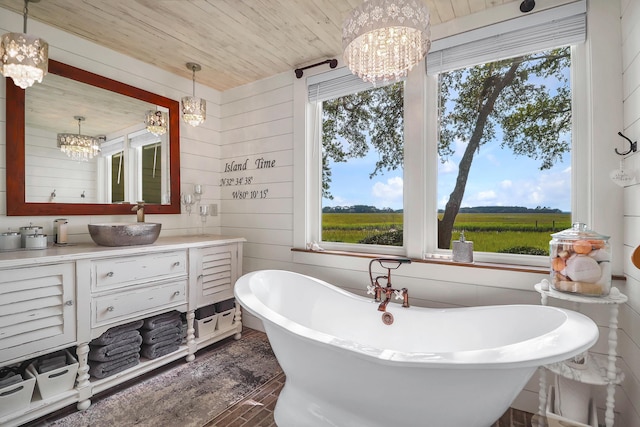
(23, 57)
(156, 122)
(77, 146)
(194, 110)
(384, 39)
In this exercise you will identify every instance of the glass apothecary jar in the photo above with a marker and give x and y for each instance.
(580, 261)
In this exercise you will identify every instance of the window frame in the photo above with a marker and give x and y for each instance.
(420, 168)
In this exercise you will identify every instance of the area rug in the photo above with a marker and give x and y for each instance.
(188, 394)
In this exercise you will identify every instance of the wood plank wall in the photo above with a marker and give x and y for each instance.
(257, 203)
(48, 169)
(629, 397)
(258, 122)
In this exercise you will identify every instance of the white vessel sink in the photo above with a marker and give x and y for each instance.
(124, 234)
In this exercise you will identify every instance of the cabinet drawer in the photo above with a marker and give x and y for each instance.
(122, 305)
(118, 272)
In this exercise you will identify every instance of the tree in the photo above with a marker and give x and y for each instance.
(475, 102)
(506, 94)
(349, 121)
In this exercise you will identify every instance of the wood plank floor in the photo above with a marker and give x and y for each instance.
(256, 410)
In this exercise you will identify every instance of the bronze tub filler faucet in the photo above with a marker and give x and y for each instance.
(377, 290)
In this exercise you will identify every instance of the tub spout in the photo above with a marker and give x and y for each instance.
(383, 304)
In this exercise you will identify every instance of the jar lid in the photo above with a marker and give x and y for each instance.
(31, 227)
(579, 231)
(10, 233)
(35, 236)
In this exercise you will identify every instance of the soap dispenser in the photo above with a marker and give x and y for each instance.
(462, 250)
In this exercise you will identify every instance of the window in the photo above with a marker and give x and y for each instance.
(133, 166)
(151, 173)
(117, 178)
(362, 167)
(432, 141)
(504, 146)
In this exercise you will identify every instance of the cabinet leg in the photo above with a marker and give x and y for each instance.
(191, 336)
(237, 319)
(82, 378)
(542, 397)
(609, 415)
(611, 366)
(83, 405)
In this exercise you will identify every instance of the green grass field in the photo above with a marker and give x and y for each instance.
(489, 232)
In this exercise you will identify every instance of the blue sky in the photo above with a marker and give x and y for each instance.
(497, 178)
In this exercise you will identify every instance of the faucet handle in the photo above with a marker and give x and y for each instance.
(371, 289)
(399, 294)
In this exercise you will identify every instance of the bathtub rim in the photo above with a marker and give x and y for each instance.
(471, 359)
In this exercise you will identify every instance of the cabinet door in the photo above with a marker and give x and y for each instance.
(217, 273)
(37, 309)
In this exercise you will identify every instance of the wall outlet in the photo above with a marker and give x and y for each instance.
(214, 209)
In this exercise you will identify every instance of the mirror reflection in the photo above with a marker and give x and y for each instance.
(132, 163)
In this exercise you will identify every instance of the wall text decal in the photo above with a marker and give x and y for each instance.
(259, 165)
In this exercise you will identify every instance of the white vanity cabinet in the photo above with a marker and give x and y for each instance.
(64, 297)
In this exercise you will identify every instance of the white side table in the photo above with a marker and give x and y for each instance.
(601, 369)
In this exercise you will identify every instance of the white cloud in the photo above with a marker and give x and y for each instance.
(449, 166)
(388, 194)
(487, 195)
(551, 189)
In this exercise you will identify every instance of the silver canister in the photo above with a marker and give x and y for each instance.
(35, 241)
(28, 231)
(10, 240)
(60, 231)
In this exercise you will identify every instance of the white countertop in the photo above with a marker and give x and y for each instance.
(72, 252)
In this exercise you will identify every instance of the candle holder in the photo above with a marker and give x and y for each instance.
(187, 200)
(198, 191)
(205, 211)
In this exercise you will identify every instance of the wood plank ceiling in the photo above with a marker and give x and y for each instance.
(235, 41)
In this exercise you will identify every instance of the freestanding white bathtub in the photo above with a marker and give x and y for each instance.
(344, 367)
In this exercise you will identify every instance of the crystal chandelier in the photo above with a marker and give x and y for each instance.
(194, 110)
(384, 39)
(156, 122)
(77, 146)
(24, 58)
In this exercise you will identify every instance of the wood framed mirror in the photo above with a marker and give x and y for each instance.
(17, 173)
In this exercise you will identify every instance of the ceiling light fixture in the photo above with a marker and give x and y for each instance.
(194, 110)
(384, 39)
(24, 58)
(77, 146)
(156, 122)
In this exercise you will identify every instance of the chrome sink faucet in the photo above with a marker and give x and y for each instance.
(376, 289)
(138, 208)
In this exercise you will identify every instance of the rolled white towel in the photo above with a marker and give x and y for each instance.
(572, 399)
